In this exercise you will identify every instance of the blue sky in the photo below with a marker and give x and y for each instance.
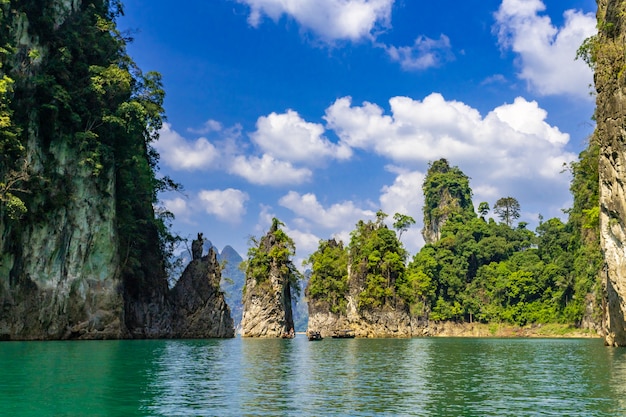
(321, 112)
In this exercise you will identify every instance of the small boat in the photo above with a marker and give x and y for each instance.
(343, 334)
(314, 335)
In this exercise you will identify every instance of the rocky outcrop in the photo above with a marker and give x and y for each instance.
(387, 321)
(200, 309)
(63, 280)
(87, 259)
(367, 324)
(607, 52)
(267, 300)
(446, 193)
(267, 307)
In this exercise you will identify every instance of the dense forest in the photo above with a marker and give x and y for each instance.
(81, 89)
(475, 268)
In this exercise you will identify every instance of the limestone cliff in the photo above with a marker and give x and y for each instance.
(386, 321)
(363, 287)
(446, 194)
(200, 306)
(87, 259)
(608, 55)
(270, 277)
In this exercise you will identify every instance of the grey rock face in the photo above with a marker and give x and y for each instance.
(383, 322)
(267, 307)
(610, 83)
(200, 309)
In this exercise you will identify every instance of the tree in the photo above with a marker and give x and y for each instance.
(329, 276)
(483, 209)
(402, 223)
(274, 251)
(507, 208)
(378, 261)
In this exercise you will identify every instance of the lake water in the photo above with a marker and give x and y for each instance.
(348, 377)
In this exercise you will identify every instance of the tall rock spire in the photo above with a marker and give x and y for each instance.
(607, 54)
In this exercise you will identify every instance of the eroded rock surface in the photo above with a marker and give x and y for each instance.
(610, 83)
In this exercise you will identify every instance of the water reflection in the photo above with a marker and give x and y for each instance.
(356, 377)
(193, 377)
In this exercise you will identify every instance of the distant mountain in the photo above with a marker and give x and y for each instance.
(300, 307)
(233, 280)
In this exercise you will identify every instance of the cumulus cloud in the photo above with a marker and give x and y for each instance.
(405, 196)
(180, 154)
(424, 53)
(331, 20)
(546, 53)
(227, 205)
(353, 20)
(266, 170)
(178, 207)
(208, 127)
(514, 140)
(336, 216)
(290, 138)
(231, 154)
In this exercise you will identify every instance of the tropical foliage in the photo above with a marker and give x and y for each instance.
(479, 269)
(75, 91)
(272, 254)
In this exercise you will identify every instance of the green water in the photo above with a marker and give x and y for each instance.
(244, 377)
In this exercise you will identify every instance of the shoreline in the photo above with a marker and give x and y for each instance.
(503, 330)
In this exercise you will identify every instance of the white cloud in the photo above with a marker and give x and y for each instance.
(288, 137)
(494, 79)
(511, 136)
(180, 154)
(546, 53)
(330, 20)
(228, 152)
(424, 53)
(405, 196)
(267, 170)
(336, 216)
(227, 205)
(306, 243)
(208, 127)
(178, 207)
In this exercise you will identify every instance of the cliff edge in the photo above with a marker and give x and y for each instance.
(607, 52)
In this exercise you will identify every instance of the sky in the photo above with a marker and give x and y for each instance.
(321, 112)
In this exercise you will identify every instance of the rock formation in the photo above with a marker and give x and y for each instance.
(607, 51)
(446, 193)
(357, 290)
(270, 276)
(87, 259)
(200, 306)
(383, 322)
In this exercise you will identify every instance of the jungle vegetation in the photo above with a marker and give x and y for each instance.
(74, 90)
(479, 269)
(272, 253)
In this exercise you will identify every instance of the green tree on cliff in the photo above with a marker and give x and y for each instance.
(401, 223)
(328, 283)
(273, 252)
(447, 196)
(82, 94)
(378, 261)
(508, 209)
